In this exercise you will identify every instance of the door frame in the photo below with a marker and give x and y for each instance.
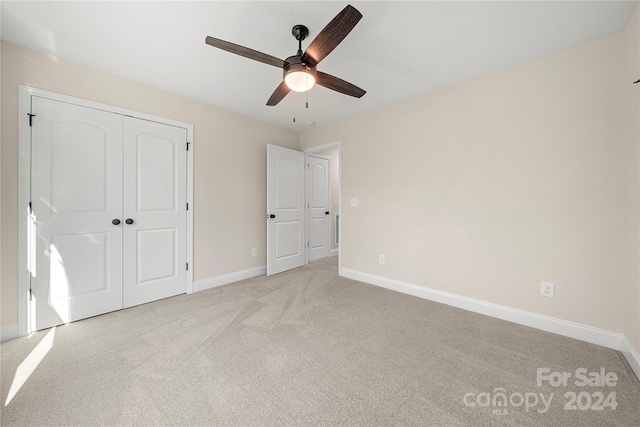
(323, 147)
(24, 182)
(307, 195)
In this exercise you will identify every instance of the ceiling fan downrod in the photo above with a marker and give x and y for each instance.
(300, 32)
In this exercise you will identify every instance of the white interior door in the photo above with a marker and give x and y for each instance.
(318, 207)
(76, 188)
(285, 209)
(155, 211)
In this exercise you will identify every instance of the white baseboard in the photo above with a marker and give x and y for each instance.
(557, 326)
(225, 279)
(334, 252)
(631, 355)
(8, 332)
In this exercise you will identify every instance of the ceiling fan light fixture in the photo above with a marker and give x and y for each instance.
(299, 81)
(298, 76)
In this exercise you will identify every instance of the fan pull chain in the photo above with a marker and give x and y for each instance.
(306, 93)
(293, 101)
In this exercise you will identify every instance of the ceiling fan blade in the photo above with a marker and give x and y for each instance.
(281, 91)
(245, 51)
(339, 85)
(332, 35)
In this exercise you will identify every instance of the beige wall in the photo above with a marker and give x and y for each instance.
(631, 128)
(229, 170)
(487, 187)
(334, 170)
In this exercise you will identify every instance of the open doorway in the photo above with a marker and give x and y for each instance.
(287, 212)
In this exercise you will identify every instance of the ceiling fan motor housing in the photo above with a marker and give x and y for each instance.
(295, 63)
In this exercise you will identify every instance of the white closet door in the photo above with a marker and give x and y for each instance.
(155, 241)
(318, 207)
(76, 189)
(285, 209)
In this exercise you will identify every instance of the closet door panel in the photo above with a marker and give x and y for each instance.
(76, 193)
(155, 211)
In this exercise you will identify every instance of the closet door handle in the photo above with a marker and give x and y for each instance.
(129, 221)
(115, 222)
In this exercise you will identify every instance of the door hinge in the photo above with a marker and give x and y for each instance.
(30, 294)
(307, 244)
(187, 266)
(188, 146)
(187, 206)
(31, 116)
(30, 207)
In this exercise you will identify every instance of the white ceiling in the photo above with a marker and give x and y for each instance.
(397, 51)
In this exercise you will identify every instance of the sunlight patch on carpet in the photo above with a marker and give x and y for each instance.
(30, 364)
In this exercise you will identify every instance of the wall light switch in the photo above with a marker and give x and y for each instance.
(254, 252)
(354, 202)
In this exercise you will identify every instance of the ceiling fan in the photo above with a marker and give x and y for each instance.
(299, 70)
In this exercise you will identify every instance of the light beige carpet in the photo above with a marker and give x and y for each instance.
(305, 348)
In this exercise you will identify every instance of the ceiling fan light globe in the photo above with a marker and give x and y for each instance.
(299, 81)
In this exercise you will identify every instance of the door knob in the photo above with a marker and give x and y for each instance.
(115, 222)
(272, 216)
(129, 221)
(326, 213)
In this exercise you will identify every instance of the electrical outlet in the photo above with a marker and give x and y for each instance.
(354, 202)
(381, 259)
(547, 289)
(254, 252)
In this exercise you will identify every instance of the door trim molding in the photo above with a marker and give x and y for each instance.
(323, 147)
(24, 181)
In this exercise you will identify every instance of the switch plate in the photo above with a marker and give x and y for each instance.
(354, 202)
(547, 289)
(381, 259)
(254, 252)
